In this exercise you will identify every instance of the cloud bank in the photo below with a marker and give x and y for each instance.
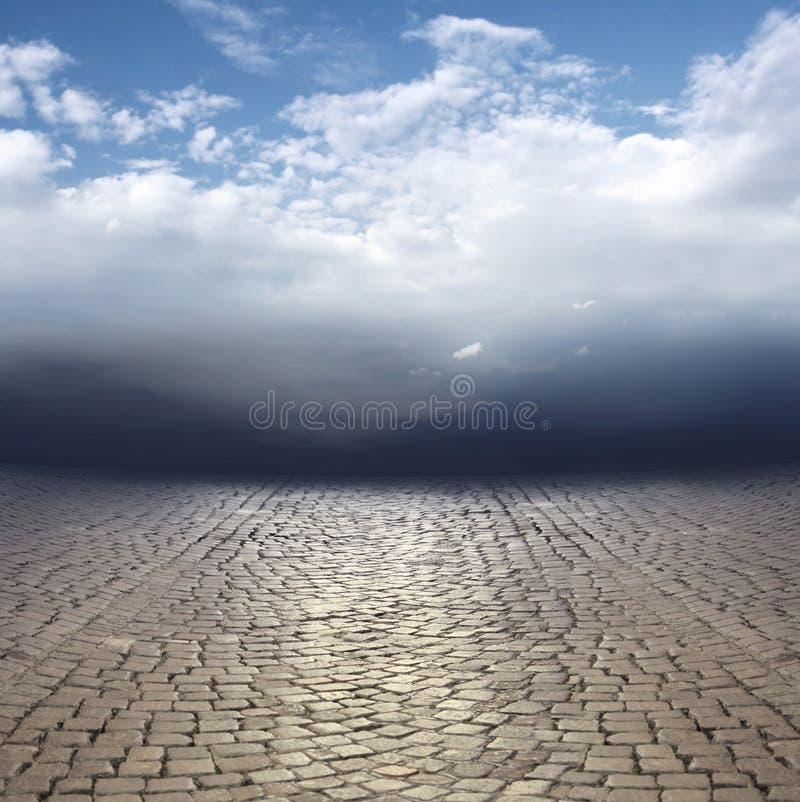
(387, 226)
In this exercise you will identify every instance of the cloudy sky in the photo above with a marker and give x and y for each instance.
(202, 200)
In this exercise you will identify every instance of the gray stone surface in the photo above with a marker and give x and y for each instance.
(589, 638)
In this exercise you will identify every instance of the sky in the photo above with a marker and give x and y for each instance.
(592, 206)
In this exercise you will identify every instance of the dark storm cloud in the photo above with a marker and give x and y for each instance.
(729, 403)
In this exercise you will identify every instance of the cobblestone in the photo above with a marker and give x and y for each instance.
(221, 640)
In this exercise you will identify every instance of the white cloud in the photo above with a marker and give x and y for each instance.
(172, 110)
(582, 351)
(466, 39)
(95, 119)
(740, 112)
(236, 31)
(222, 12)
(35, 61)
(207, 148)
(23, 66)
(73, 107)
(661, 111)
(192, 104)
(26, 69)
(581, 305)
(373, 118)
(468, 350)
(12, 101)
(729, 95)
(257, 38)
(463, 189)
(128, 126)
(248, 54)
(150, 164)
(485, 74)
(26, 156)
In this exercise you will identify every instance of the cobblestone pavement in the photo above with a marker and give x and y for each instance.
(628, 639)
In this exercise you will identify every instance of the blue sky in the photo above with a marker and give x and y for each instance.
(350, 195)
(130, 44)
(121, 48)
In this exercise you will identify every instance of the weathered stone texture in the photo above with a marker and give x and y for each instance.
(591, 638)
